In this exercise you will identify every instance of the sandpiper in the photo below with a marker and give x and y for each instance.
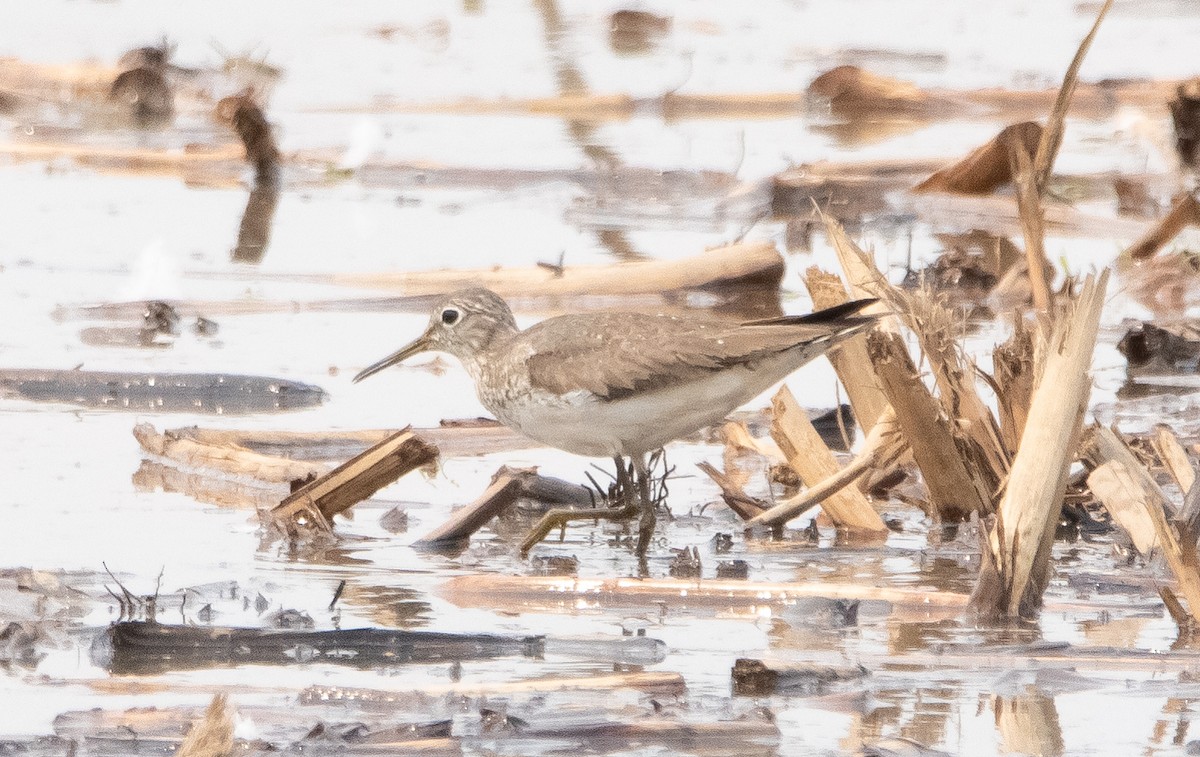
(619, 384)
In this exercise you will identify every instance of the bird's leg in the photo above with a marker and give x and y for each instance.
(624, 487)
(560, 517)
(646, 523)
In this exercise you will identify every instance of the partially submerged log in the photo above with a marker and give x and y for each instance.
(1150, 349)
(853, 92)
(658, 682)
(564, 592)
(755, 678)
(141, 648)
(750, 264)
(1016, 568)
(317, 502)
(179, 448)
(507, 486)
(219, 393)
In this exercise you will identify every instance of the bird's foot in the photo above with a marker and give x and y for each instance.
(560, 517)
(645, 529)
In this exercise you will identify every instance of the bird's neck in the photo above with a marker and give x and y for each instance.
(484, 352)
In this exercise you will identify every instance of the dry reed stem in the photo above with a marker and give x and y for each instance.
(1029, 205)
(954, 492)
(1043, 162)
(212, 736)
(1180, 552)
(1184, 212)
(883, 446)
(1174, 457)
(807, 454)
(1013, 371)
(850, 360)
(732, 493)
(1019, 544)
(1124, 487)
(358, 478)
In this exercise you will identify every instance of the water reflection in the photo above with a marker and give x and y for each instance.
(1028, 724)
(1177, 712)
(570, 83)
(388, 606)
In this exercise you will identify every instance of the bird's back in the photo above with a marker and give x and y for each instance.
(614, 355)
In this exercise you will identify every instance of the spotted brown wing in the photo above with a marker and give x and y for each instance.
(613, 355)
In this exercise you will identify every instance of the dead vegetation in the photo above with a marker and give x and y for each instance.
(990, 461)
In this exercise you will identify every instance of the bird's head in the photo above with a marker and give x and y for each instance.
(463, 324)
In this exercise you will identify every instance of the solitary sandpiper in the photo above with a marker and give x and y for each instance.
(619, 384)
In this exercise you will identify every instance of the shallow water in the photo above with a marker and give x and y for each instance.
(76, 236)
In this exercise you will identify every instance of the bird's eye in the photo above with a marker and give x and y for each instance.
(450, 316)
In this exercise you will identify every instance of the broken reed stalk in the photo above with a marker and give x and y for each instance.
(850, 360)
(881, 449)
(1122, 483)
(735, 499)
(1140, 507)
(1178, 546)
(211, 736)
(1174, 457)
(1016, 565)
(1184, 212)
(954, 492)
(1126, 489)
(940, 331)
(503, 490)
(961, 467)
(356, 479)
(807, 454)
(1013, 371)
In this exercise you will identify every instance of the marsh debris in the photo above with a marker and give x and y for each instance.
(144, 648)
(224, 394)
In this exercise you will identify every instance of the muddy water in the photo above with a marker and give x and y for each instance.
(71, 499)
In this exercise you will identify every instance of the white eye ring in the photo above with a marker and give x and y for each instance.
(450, 316)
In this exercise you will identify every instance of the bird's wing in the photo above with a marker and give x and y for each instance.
(614, 354)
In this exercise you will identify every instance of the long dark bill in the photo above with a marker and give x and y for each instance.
(420, 344)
